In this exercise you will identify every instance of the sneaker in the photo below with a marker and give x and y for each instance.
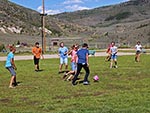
(36, 70)
(15, 84)
(86, 83)
(116, 66)
(74, 83)
(60, 72)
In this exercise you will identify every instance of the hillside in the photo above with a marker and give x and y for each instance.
(15, 19)
(135, 10)
(124, 23)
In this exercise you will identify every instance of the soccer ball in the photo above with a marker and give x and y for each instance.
(96, 78)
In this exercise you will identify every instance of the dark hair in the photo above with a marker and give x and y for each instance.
(138, 42)
(72, 46)
(85, 45)
(112, 42)
(61, 43)
(11, 48)
(37, 43)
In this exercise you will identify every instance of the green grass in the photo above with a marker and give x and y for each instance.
(122, 90)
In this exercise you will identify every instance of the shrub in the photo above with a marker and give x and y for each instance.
(119, 16)
(2, 47)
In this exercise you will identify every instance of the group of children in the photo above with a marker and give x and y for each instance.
(79, 60)
(112, 53)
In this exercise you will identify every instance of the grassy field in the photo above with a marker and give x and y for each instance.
(122, 90)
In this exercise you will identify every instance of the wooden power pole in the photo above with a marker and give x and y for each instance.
(43, 27)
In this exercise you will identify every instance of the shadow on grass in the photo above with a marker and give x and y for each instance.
(39, 70)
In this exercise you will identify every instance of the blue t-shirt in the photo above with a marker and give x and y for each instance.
(82, 55)
(62, 51)
(8, 60)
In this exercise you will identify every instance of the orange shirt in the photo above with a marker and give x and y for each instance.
(37, 52)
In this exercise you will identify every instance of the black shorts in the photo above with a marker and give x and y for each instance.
(36, 61)
(138, 52)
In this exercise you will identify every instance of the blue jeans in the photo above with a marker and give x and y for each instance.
(79, 67)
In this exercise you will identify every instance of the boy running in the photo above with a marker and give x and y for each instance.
(11, 67)
(37, 52)
(138, 48)
(82, 56)
(113, 51)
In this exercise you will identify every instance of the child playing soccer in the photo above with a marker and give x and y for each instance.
(72, 52)
(108, 53)
(63, 56)
(82, 56)
(113, 51)
(37, 52)
(11, 67)
(138, 48)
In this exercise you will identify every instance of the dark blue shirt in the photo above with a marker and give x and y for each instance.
(82, 55)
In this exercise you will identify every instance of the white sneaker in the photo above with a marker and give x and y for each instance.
(86, 83)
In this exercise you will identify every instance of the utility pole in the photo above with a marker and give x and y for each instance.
(43, 27)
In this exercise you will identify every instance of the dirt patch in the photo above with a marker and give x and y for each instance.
(81, 95)
(5, 100)
(77, 95)
(61, 97)
(113, 86)
(23, 98)
(98, 93)
(33, 103)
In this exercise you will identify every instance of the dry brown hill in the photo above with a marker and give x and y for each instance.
(124, 23)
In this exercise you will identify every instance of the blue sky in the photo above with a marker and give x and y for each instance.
(59, 6)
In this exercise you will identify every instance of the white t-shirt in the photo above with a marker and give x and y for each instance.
(138, 47)
(113, 50)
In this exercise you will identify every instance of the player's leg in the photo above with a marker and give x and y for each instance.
(36, 63)
(38, 67)
(11, 82)
(115, 61)
(138, 57)
(13, 76)
(60, 65)
(66, 63)
(86, 68)
(72, 72)
(79, 67)
(112, 60)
